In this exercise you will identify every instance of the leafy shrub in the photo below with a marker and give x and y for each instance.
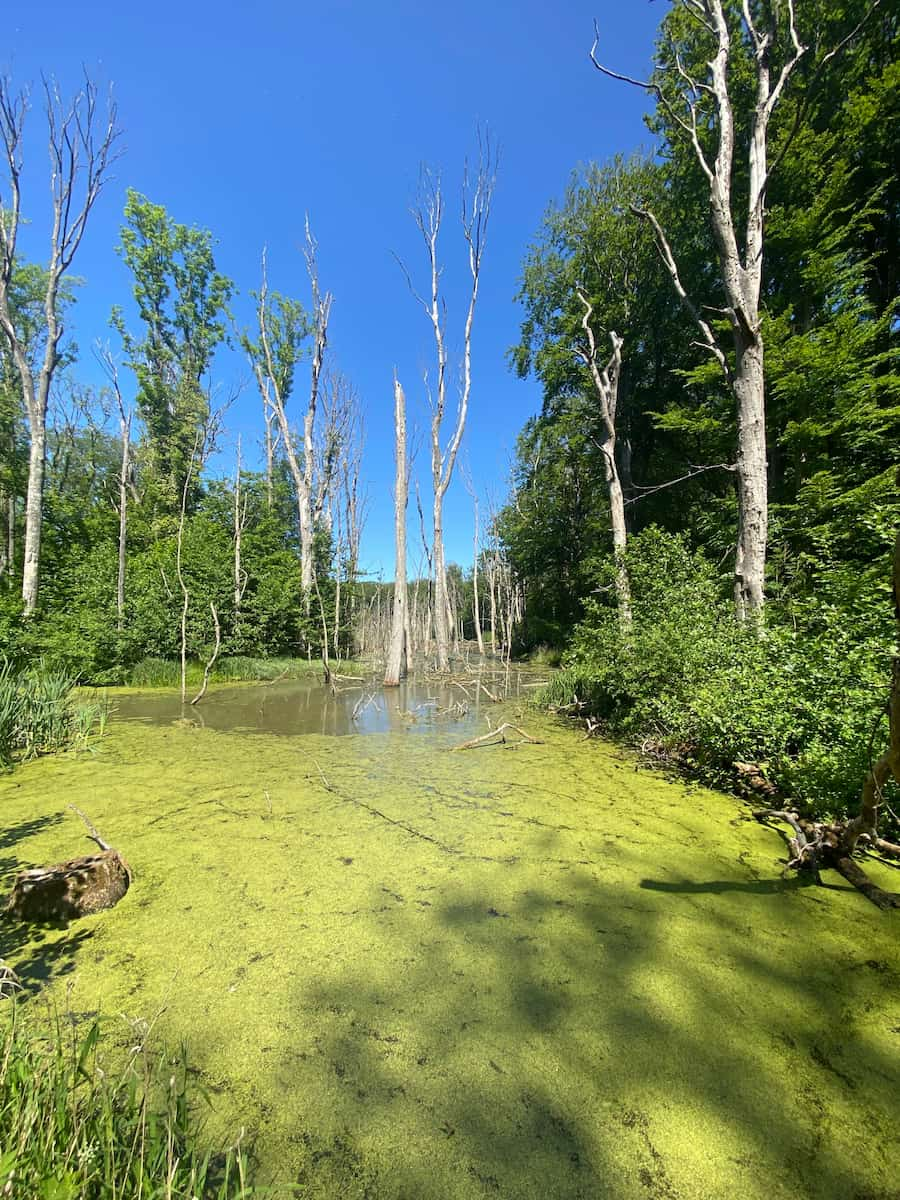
(802, 696)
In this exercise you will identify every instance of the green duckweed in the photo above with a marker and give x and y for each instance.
(524, 971)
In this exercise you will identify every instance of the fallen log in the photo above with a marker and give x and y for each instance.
(71, 889)
(817, 846)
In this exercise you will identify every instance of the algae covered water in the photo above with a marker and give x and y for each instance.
(522, 970)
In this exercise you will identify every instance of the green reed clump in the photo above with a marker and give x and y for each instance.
(161, 672)
(73, 1127)
(40, 714)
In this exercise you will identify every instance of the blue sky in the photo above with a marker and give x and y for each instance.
(242, 118)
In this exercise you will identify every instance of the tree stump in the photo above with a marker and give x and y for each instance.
(70, 889)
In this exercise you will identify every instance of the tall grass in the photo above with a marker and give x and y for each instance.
(73, 1128)
(39, 713)
(161, 672)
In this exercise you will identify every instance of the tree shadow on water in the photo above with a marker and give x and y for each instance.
(40, 953)
(567, 1040)
(22, 830)
(776, 886)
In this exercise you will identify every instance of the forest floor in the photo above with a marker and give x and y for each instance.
(527, 971)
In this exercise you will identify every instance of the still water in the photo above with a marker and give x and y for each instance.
(291, 707)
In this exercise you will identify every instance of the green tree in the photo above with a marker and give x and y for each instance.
(182, 303)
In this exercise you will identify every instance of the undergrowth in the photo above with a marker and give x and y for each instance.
(160, 672)
(75, 1127)
(40, 713)
(802, 698)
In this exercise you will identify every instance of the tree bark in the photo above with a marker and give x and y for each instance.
(397, 652)
(752, 480)
(34, 512)
(123, 522)
(80, 160)
(740, 273)
(606, 386)
(11, 535)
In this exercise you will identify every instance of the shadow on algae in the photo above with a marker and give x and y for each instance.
(512, 972)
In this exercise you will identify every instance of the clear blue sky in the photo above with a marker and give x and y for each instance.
(241, 118)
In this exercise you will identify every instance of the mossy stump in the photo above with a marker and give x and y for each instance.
(70, 889)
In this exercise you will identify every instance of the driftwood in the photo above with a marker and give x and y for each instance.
(817, 846)
(500, 734)
(9, 981)
(73, 888)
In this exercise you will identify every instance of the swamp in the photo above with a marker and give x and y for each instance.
(524, 970)
(450, 601)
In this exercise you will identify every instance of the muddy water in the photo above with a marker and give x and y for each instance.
(419, 706)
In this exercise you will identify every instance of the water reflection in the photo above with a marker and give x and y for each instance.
(291, 707)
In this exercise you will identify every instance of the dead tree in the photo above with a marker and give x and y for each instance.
(397, 650)
(605, 379)
(740, 251)
(283, 329)
(239, 521)
(82, 148)
(476, 208)
(110, 367)
(71, 889)
(476, 604)
(353, 506)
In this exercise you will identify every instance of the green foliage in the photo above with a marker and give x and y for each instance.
(182, 303)
(40, 713)
(802, 699)
(76, 1126)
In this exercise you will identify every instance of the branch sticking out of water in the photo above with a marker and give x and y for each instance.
(500, 734)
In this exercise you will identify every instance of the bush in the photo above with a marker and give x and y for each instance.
(802, 696)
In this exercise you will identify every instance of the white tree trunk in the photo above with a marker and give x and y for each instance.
(34, 515)
(11, 536)
(750, 555)
(740, 274)
(123, 523)
(238, 531)
(397, 651)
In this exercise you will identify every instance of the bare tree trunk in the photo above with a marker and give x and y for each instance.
(11, 535)
(179, 545)
(476, 606)
(123, 522)
(274, 385)
(476, 210)
(321, 313)
(240, 517)
(606, 385)
(211, 661)
(492, 582)
(752, 482)
(79, 166)
(397, 650)
(34, 512)
(269, 417)
(4, 551)
(740, 274)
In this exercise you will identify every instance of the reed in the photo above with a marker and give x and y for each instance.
(41, 714)
(75, 1125)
